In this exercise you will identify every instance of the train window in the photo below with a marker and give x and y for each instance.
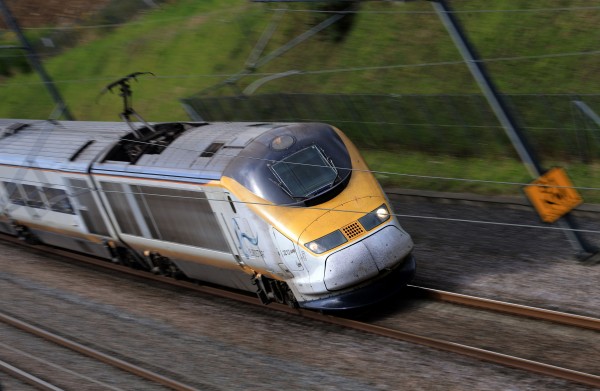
(183, 216)
(302, 164)
(305, 173)
(33, 197)
(117, 198)
(14, 194)
(39, 197)
(58, 200)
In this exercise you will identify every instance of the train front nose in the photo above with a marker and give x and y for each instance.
(379, 252)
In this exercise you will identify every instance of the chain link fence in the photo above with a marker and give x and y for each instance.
(457, 125)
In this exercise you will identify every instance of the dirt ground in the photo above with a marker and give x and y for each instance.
(38, 13)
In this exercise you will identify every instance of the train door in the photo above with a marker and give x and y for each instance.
(87, 207)
(289, 253)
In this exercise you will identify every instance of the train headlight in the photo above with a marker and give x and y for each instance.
(374, 218)
(326, 242)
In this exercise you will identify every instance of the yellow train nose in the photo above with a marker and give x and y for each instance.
(366, 258)
(344, 223)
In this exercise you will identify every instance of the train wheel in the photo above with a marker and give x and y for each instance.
(269, 290)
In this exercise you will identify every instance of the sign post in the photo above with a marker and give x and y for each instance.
(496, 101)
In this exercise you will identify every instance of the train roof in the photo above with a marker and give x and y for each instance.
(197, 152)
(55, 144)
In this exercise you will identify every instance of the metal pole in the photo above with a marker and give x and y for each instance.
(587, 110)
(34, 60)
(502, 112)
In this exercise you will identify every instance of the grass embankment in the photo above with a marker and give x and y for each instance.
(193, 45)
(469, 175)
(189, 45)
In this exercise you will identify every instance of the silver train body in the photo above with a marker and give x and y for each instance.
(289, 211)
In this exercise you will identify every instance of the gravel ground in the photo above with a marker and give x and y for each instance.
(9, 383)
(530, 266)
(215, 344)
(62, 367)
(550, 343)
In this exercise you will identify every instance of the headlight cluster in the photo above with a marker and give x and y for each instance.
(376, 217)
(327, 242)
(336, 238)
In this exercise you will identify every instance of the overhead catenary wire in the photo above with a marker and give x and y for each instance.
(355, 170)
(416, 124)
(133, 22)
(402, 66)
(399, 12)
(296, 205)
(378, 172)
(412, 124)
(375, 172)
(397, 215)
(337, 70)
(466, 11)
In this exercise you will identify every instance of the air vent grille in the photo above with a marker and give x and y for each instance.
(352, 230)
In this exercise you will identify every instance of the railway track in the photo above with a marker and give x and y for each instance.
(382, 329)
(28, 377)
(509, 308)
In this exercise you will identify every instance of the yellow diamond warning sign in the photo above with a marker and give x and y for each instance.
(552, 195)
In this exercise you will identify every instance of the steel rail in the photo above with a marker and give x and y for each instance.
(481, 354)
(510, 308)
(95, 354)
(436, 294)
(27, 377)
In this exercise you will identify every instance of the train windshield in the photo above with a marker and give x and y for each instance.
(305, 173)
(300, 164)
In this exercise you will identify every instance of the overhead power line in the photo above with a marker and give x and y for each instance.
(399, 12)
(341, 70)
(132, 23)
(405, 12)
(391, 173)
(399, 215)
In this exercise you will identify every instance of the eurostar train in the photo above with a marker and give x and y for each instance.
(287, 210)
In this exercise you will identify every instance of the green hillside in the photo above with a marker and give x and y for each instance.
(193, 45)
